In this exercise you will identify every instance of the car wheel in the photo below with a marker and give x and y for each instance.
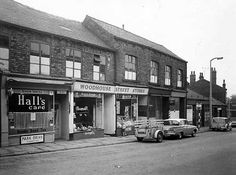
(194, 133)
(139, 139)
(180, 135)
(159, 137)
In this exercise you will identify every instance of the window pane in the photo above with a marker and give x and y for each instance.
(34, 47)
(34, 59)
(96, 68)
(34, 68)
(4, 42)
(4, 64)
(103, 60)
(77, 65)
(4, 53)
(95, 76)
(77, 73)
(45, 50)
(134, 76)
(69, 64)
(102, 77)
(126, 75)
(77, 53)
(69, 72)
(45, 70)
(45, 61)
(67, 52)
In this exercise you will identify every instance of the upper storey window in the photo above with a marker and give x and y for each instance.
(179, 78)
(73, 63)
(167, 75)
(39, 58)
(4, 52)
(99, 68)
(130, 67)
(153, 72)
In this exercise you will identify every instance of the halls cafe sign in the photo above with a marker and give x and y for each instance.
(19, 102)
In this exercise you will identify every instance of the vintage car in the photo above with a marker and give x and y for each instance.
(179, 128)
(149, 129)
(221, 123)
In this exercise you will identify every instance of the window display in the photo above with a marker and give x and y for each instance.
(30, 111)
(87, 113)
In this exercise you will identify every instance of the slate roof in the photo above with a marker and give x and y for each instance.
(126, 35)
(21, 15)
(192, 95)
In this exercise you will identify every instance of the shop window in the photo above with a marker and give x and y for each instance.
(88, 112)
(99, 68)
(153, 72)
(4, 52)
(30, 113)
(167, 75)
(39, 58)
(73, 63)
(130, 67)
(179, 78)
(127, 111)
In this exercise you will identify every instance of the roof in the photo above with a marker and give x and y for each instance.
(196, 96)
(126, 35)
(15, 13)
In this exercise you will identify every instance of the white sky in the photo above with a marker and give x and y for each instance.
(195, 30)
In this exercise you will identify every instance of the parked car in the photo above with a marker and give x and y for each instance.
(221, 123)
(179, 128)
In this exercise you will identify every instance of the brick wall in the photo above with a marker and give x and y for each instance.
(144, 56)
(19, 53)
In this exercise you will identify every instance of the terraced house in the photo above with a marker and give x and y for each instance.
(62, 79)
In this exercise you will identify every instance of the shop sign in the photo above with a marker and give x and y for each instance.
(91, 95)
(31, 139)
(131, 90)
(29, 102)
(89, 87)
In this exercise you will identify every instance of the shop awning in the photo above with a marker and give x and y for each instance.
(31, 83)
(159, 92)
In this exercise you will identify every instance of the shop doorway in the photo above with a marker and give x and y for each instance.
(57, 121)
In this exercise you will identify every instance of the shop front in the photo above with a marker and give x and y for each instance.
(128, 100)
(93, 110)
(159, 103)
(178, 104)
(33, 112)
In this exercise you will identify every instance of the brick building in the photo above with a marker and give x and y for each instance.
(198, 95)
(140, 62)
(60, 79)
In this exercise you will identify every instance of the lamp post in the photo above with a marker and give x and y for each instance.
(210, 99)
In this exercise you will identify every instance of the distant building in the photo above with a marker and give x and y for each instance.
(198, 98)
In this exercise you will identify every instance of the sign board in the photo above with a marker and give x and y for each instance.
(29, 102)
(31, 139)
(100, 88)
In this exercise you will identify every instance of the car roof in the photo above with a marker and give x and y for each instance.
(220, 118)
(176, 119)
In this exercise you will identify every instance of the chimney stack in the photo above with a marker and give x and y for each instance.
(192, 78)
(201, 76)
(224, 85)
(123, 26)
(213, 73)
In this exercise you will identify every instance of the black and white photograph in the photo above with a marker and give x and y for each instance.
(117, 87)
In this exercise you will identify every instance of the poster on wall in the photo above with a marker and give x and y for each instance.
(29, 102)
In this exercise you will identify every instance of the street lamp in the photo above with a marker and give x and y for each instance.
(210, 99)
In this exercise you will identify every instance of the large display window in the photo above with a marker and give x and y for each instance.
(87, 112)
(126, 110)
(30, 111)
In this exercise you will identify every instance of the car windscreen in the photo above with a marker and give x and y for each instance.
(171, 122)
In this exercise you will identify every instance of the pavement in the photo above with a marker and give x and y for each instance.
(60, 145)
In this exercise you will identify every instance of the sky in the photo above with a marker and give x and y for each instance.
(195, 30)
